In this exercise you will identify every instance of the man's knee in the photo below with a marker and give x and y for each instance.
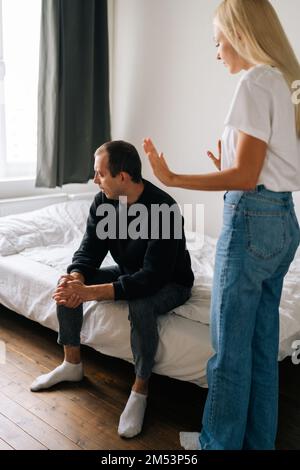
(141, 311)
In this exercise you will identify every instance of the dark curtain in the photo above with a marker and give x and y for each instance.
(73, 95)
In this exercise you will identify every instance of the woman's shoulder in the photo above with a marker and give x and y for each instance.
(265, 76)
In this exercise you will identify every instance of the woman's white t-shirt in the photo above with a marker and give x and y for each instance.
(262, 107)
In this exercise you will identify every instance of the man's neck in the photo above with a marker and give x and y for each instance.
(135, 192)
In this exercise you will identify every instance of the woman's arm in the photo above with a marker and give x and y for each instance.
(243, 175)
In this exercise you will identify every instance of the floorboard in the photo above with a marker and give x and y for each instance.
(85, 415)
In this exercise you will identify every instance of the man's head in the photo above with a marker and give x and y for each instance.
(117, 167)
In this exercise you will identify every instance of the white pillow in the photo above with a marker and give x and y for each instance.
(55, 224)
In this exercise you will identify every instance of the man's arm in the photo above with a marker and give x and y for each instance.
(92, 250)
(87, 258)
(72, 292)
(157, 270)
(160, 259)
(102, 292)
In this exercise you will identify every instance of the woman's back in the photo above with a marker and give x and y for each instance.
(262, 107)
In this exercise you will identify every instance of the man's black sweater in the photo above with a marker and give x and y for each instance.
(146, 264)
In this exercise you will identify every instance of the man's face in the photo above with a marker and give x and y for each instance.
(111, 186)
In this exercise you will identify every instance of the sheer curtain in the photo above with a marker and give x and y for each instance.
(2, 115)
(19, 51)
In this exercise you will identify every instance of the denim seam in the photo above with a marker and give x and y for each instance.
(265, 213)
(267, 199)
(215, 379)
(220, 304)
(223, 275)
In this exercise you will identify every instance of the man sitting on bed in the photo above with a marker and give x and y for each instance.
(152, 272)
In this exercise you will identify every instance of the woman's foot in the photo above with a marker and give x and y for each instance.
(190, 440)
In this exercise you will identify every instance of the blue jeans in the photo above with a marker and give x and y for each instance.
(143, 313)
(257, 244)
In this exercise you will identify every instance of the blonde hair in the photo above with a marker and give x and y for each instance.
(263, 38)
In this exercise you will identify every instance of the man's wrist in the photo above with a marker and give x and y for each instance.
(102, 292)
(78, 276)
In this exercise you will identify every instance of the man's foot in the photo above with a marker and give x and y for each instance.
(65, 372)
(190, 440)
(131, 420)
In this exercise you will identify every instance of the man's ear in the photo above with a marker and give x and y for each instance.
(124, 176)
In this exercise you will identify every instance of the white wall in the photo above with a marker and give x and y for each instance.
(167, 84)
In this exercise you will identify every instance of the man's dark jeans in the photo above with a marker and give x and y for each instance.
(143, 313)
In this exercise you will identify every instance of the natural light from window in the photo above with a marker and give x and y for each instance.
(21, 36)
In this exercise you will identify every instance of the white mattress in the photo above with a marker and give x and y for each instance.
(26, 286)
(29, 273)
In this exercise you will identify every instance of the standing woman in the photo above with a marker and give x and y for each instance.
(259, 169)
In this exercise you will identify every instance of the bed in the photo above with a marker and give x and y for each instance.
(37, 246)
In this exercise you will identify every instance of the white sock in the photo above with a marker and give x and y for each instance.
(131, 420)
(190, 440)
(65, 372)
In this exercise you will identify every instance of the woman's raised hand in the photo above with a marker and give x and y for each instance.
(158, 163)
(216, 161)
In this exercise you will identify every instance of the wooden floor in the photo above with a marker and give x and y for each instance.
(85, 415)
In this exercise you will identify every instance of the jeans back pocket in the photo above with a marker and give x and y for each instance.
(266, 233)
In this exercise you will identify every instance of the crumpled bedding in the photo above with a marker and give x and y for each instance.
(35, 249)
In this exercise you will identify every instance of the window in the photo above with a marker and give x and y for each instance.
(19, 59)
